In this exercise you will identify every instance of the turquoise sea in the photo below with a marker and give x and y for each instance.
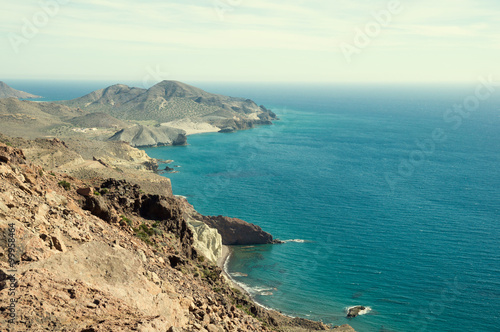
(390, 195)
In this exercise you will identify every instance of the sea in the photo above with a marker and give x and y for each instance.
(386, 196)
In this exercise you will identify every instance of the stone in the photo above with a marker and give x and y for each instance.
(213, 328)
(85, 191)
(58, 243)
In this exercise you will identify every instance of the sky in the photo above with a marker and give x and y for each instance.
(250, 40)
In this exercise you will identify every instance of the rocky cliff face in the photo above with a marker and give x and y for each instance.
(107, 256)
(238, 232)
(207, 241)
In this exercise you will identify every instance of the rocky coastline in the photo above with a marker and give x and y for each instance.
(102, 244)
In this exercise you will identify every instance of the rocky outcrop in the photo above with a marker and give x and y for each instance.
(10, 155)
(238, 232)
(356, 310)
(120, 198)
(148, 136)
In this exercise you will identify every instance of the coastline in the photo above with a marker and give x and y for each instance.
(221, 262)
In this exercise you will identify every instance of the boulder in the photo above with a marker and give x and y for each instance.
(100, 208)
(85, 191)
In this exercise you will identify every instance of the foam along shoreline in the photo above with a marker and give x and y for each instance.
(222, 263)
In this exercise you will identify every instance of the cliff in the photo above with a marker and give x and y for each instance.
(238, 232)
(109, 255)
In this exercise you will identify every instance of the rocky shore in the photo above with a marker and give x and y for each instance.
(101, 244)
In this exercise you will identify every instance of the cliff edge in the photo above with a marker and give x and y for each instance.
(109, 255)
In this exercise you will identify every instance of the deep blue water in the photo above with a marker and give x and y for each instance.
(414, 235)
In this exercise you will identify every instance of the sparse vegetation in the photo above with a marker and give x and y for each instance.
(66, 185)
(246, 309)
(209, 274)
(144, 232)
(126, 220)
(104, 191)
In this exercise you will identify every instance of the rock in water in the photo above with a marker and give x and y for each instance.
(355, 311)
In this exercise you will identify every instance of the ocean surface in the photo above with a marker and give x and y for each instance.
(388, 197)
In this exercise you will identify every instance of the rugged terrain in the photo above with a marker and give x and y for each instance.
(161, 115)
(169, 101)
(97, 253)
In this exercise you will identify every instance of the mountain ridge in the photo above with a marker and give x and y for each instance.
(168, 101)
(8, 92)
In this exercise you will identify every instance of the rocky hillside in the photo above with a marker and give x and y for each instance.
(98, 120)
(33, 119)
(109, 255)
(169, 101)
(8, 92)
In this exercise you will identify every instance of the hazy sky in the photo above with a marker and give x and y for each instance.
(250, 40)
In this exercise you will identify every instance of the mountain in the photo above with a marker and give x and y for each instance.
(169, 101)
(7, 92)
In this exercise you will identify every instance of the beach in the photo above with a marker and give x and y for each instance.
(226, 252)
(191, 127)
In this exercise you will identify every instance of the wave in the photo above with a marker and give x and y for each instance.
(238, 274)
(260, 289)
(296, 241)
